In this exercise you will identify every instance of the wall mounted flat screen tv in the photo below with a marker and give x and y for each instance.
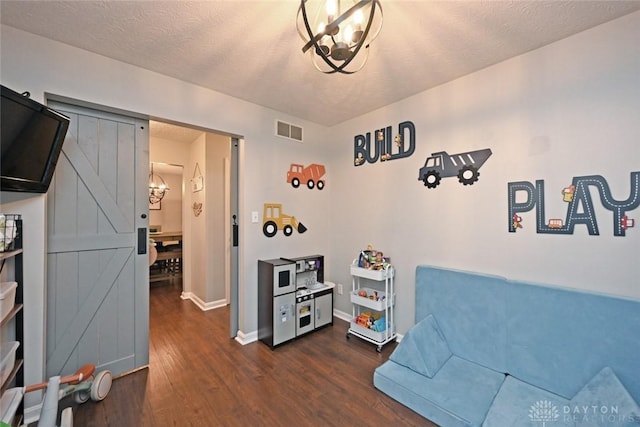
(32, 137)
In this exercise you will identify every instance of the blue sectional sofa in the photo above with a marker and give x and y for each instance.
(487, 351)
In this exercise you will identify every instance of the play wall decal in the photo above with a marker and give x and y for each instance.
(580, 205)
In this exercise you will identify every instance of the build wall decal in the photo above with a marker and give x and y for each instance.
(463, 165)
(385, 146)
(273, 220)
(310, 175)
(580, 208)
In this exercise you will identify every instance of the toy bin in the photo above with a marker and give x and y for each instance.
(374, 299)
(8, 359)
(378, 275)
(378, 337)
(10, 401)
(7, 297)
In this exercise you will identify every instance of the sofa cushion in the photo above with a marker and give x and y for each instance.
(471, 312)
(604, 401)
(423, 348)
(458, 395)
(519, 404)
(558, 338)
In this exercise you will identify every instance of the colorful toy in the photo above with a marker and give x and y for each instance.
(82, 384)
(373, 259)
(367, 319)
(379, 325)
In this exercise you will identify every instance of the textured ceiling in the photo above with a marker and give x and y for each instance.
(251, 49)
(172, 132)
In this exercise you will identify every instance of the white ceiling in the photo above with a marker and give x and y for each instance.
(173, 132)
(251, 49)
(164, 169)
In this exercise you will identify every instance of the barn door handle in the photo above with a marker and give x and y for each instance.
(235, 232)
(143, 244)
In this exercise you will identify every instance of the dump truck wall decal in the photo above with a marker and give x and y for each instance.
(463, 165)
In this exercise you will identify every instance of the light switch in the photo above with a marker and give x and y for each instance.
(254, 217)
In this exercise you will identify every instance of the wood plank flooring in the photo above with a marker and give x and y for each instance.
(198, 376)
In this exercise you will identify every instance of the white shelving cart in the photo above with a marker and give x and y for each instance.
(380, 297)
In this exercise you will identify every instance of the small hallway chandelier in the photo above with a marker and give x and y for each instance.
(157, 187)
(338, 31)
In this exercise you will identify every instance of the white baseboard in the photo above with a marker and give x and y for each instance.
(204, 306)
(342, 315)
(242, 337)
(247, 338)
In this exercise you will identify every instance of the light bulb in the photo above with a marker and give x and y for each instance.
(332, 9)
(348, 34)
(322, 49)
(358, 17)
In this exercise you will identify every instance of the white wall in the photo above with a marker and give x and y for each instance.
(568, 109)
(196, 237)
(206, 260)
(174, 153)
(168, 151)
(218, 150)
(169, 216)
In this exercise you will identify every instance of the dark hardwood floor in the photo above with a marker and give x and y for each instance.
(198, 376)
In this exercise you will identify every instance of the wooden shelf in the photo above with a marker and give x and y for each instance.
(12, 375)
(10, 254)
(10, 315)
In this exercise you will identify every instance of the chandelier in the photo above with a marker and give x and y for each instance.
(338, 32)
(157, 187)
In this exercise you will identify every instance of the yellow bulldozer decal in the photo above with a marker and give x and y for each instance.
(273, 220)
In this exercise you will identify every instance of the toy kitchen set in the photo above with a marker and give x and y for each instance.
(293, 299)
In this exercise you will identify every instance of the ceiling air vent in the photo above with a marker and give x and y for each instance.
(288, 131)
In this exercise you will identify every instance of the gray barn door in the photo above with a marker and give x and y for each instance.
(97, 277)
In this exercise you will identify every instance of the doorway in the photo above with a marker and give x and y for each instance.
(165, 224)
(209, 193)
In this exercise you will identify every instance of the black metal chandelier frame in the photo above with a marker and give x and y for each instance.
(331, 29)
(156, 191)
